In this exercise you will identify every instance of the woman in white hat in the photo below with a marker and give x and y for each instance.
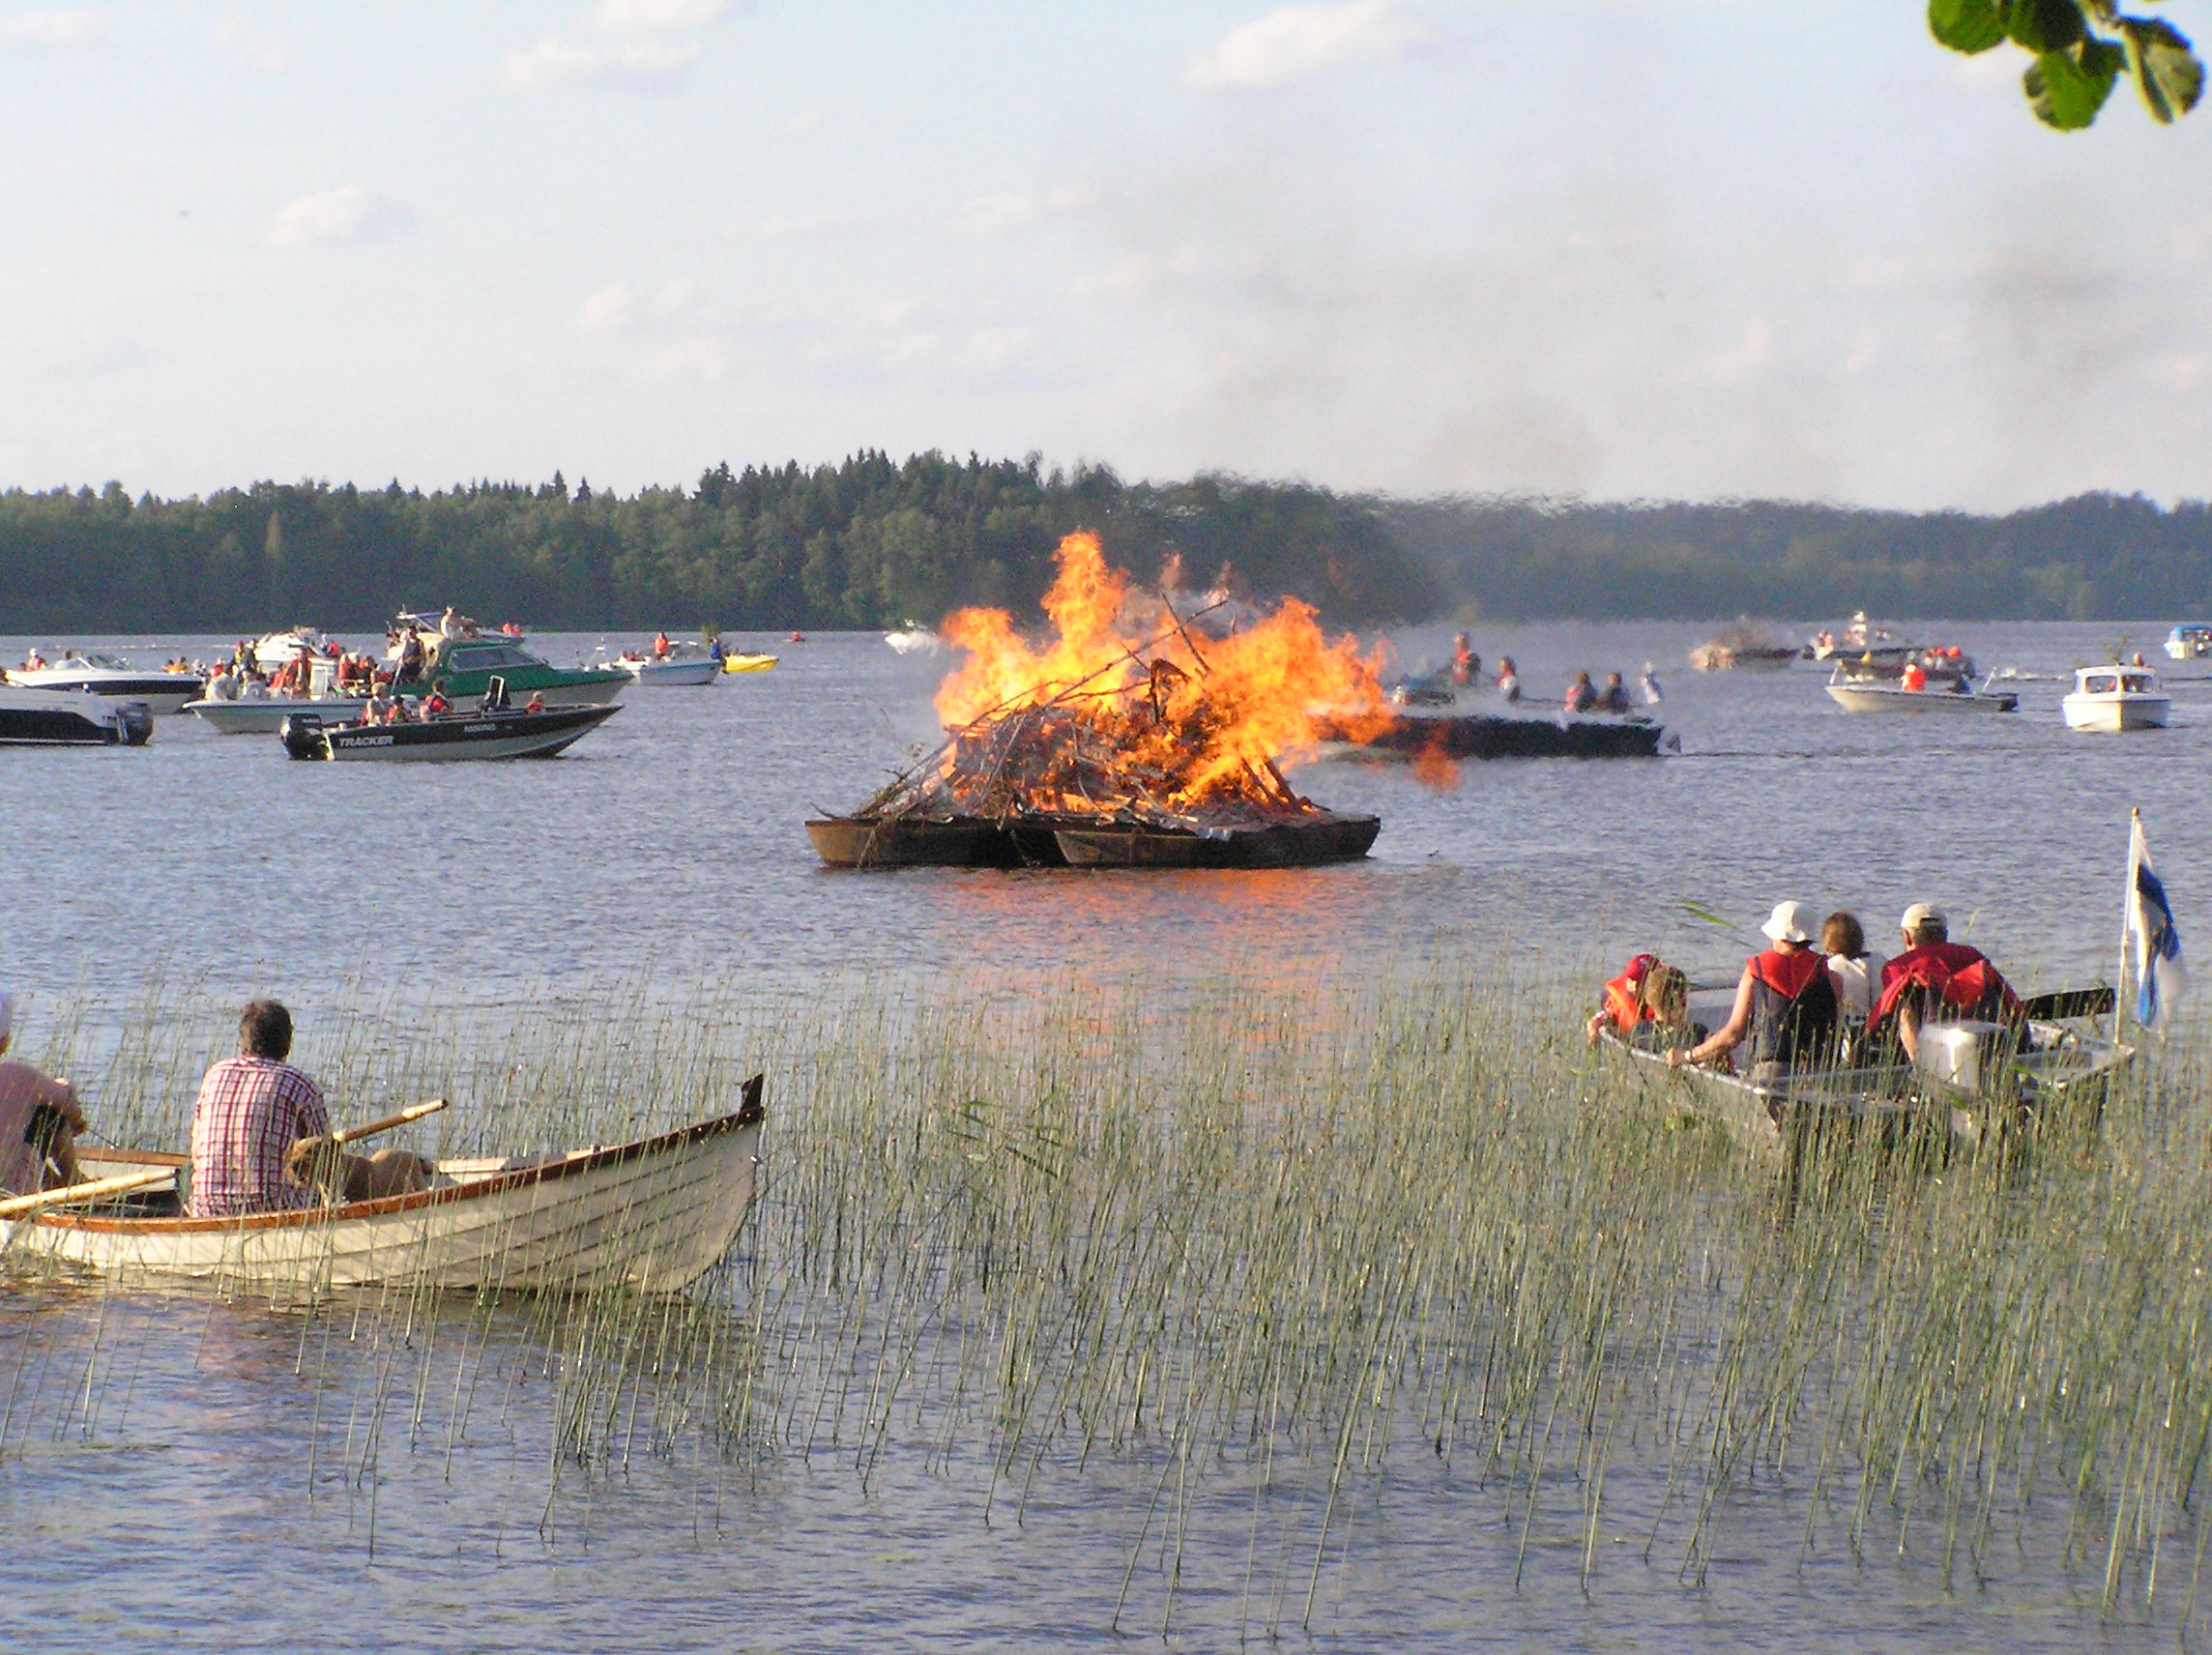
(1785, 1005)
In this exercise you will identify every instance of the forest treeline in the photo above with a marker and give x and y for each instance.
(873, 542)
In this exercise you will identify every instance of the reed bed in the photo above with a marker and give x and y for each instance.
(1296, 1240)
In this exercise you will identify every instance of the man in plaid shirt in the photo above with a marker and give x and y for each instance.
(253, 1108)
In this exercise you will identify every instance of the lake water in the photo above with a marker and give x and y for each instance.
(668, 845)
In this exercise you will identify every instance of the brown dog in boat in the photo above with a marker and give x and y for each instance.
(340, 1176)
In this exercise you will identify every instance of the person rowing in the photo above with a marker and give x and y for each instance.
(1936, 981)
(1785, 1005)
(39, 1119)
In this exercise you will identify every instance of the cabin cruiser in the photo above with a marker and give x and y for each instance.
(2116, 698)
(2189, 643)
(110, 677)
(1883, 695)
(71, 718)
(464, 665)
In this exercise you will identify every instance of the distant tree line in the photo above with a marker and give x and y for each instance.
(2093, 557)
(873, 542)
(866, 543)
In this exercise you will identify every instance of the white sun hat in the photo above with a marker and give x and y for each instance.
(1787, 923)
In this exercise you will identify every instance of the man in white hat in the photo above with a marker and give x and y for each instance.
(1785, 1004)
(38, 1121)
(1936, 981)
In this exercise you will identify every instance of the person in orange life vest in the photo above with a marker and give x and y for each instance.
(435, 705)
(1785, 1004)
(536, 704)
(1915, 675)
(1938, 981)
(660, 645)
(1624, 1006)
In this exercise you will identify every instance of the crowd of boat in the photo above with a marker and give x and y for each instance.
(441, 686)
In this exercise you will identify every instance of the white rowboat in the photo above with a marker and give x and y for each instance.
(655, 1214)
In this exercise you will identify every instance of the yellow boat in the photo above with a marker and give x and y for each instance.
(747, 664)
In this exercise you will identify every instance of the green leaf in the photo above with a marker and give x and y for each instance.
(2043, 26)
(1965, 25)
(2166, 71)
(2067, 93)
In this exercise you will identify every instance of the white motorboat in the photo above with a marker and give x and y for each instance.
(913, 639)
(259, 712)
(2189, 643)
(2116, 698)
(272, 650)
(684, 665)
(655, 1214)
(71, 718)
(115, 678)
(1884, 695)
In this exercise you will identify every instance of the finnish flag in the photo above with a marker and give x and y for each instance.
(2160, 976)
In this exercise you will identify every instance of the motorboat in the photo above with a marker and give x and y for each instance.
(113, 678)
(1883, 695)
(1863, 640)
(1968, 1079)
(71, 718)
(477, 734)
(1743, 643)
(654, 1215)
(272, 650)
(258, 711)
(2116, 698)
(913, 639)
(684, 664)
(463, 668)
(2189, 643)
(748, 663)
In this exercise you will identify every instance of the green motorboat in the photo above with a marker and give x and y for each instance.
(464, 667)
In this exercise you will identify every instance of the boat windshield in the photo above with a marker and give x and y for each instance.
(2099, 683)
(2136, 684)
(487, 657)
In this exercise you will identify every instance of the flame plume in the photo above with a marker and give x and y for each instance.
(1125, 711)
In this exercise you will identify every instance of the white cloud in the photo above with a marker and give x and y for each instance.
(348, 214)
(609, 308)
(653, 17)
(65, 29)
(264, 49)
(624, 65)
(1010, 209)
(702, 360)
(1295, 43)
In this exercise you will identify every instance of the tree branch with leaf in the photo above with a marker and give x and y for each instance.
(2079, 49)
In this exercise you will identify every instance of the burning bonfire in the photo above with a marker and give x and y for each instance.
(1129, 734)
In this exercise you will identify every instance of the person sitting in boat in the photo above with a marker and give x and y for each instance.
(33, 661)
(223, 686)
(39, 1119)
(1855, 971)
(1647, 1006)
(1614, 697)
(254, 688)
(1582, 694)
(251, 1111)
(376, 708)
(1785, 1005)
(1915, 675)
(1936, 981)
(1465, 664)
(397, 713)
(536, 703)
(435, 705)
(660, 645)
(1508, 679)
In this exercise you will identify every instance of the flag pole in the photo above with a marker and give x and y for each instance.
(2127, 923)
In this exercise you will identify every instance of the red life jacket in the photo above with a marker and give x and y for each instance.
(1960, 976)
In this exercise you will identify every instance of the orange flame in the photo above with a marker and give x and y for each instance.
(1134, 709)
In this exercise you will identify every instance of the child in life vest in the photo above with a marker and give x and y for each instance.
(1647, 1006)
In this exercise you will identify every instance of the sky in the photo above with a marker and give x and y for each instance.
(1615, 248)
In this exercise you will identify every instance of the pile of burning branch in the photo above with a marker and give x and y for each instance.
(1125, 716)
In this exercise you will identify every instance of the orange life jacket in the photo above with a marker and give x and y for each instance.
(1960, 976)
(1624, 1004)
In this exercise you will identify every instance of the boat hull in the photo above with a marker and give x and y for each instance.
(267, 717)
(1888, 698)
(918, 842)
(484, 736)
(654, 1215)
(2113, 713)
(161, 692)
(69, 719)
(748, 663)
(1306, 842)
(1477, 737)
(673, 675)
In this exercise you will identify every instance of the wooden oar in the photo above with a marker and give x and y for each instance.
(413, 1112)
(15, 1207)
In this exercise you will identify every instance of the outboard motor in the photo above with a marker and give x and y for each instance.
(137, 723)
(303, 736)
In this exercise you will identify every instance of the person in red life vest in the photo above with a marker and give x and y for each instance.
(1622, 1009)
(435, 705)
(536, 703)
(660, 645)
(1915, 675)
(1936, 981)
(1647, 1006)
(1785, 1005)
